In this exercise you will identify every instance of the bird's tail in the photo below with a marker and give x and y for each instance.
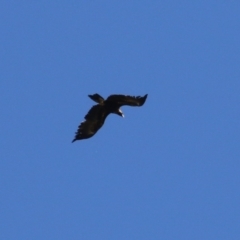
(97, 98)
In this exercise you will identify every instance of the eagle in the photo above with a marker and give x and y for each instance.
(96, 116)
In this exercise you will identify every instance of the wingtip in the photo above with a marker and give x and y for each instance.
(144, 99)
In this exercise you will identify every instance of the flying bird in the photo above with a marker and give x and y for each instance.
(96, 116)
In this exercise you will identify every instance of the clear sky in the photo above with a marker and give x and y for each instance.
(169, 169)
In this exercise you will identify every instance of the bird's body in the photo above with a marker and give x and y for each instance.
(96, 116)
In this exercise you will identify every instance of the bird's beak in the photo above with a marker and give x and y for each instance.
(120, 113)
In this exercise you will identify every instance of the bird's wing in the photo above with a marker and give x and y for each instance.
(127, 100)
(95, 112)
(93, 122)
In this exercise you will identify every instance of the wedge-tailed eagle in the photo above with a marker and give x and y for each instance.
(97, 114)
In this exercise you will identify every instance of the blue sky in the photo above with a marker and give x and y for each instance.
(168, 170)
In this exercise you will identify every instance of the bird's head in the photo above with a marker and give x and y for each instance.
(119, 112)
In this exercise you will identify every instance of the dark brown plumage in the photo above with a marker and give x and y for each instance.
(97, 114)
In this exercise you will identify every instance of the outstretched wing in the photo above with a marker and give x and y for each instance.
(93, 122)
(127, 100)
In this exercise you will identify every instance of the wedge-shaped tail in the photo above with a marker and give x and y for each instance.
(97, 98)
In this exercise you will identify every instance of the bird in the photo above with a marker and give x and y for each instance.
(96, 116)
